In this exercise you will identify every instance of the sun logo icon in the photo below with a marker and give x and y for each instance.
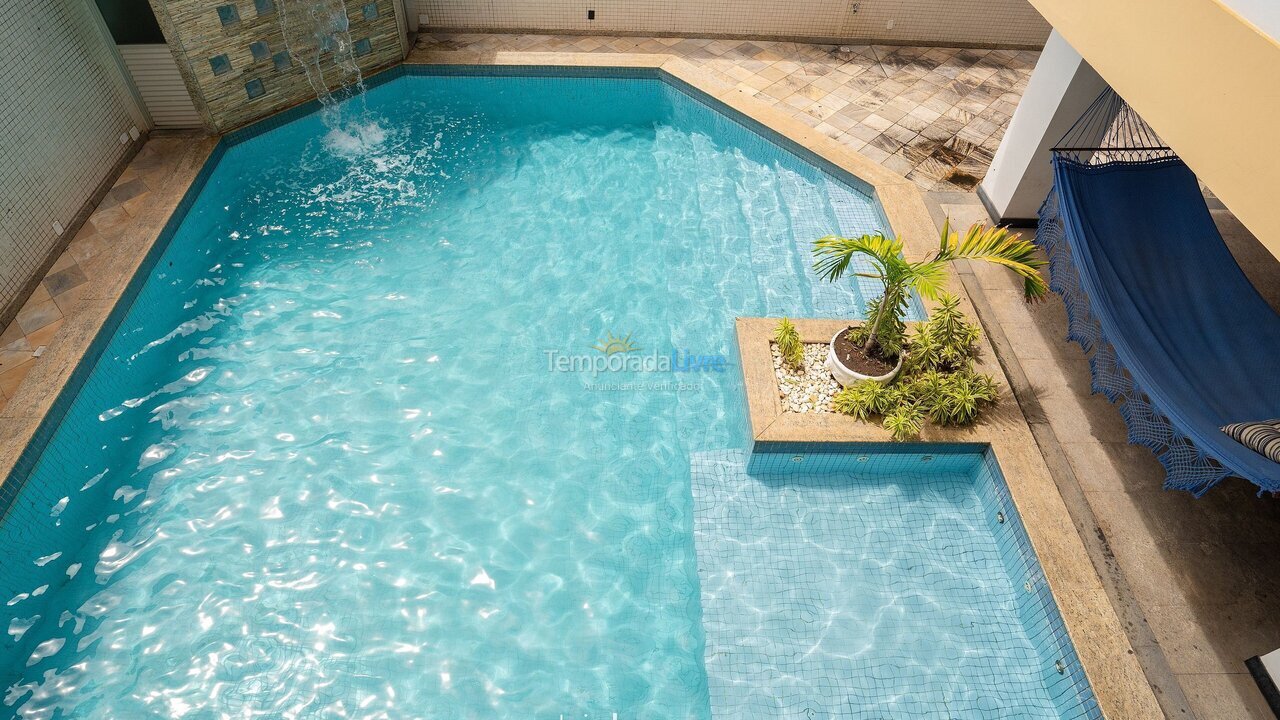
(611, 345)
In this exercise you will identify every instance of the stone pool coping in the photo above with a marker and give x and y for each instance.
(110, 273)
(1109, 662)
(1118, 682)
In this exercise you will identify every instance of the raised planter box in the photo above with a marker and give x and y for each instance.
(771, 423)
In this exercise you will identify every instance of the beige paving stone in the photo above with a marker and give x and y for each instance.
(45, 335)
(1102, 466)
(15, 355)
(67, 299)
(35, 315)
(1225, 697)
(12, 378)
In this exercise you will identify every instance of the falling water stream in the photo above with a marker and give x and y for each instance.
(313, 29)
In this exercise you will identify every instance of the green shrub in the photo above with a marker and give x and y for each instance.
(938, 381)
(789, 345)
(904, 422)
(864, 399)
(947, 341)
(963, 396)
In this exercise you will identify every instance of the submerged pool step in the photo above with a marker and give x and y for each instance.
(873, 584)
(809, 207)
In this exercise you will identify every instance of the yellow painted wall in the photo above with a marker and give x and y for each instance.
(1206, 80)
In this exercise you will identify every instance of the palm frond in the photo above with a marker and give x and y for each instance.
(929, 278)
(834, 254)
(999, 246)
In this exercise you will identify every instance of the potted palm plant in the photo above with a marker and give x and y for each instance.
(874, 350)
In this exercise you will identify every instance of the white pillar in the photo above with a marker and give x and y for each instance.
(1061, 88)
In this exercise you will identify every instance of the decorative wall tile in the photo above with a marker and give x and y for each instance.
(369, 11)
(362, 47)
(195, 34)
(254, 89)
(220, 64)
(228, 14)
(956, 22)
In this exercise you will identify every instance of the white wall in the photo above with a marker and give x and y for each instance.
(155, 73)
(1262, 14)
(1062, 87)
(64, 101)
(936, 22)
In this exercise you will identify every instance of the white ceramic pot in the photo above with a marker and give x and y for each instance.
(847, 377)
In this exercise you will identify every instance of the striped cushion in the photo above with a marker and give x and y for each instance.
(1261, 437)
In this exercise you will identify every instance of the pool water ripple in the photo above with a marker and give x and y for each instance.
(325, 469)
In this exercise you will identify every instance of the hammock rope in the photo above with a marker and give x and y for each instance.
(1110, 131)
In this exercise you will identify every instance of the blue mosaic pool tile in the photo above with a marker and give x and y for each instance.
(31, 514)
(824, 596)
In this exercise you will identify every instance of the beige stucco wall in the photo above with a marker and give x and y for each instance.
(1011, 23)
(1207, 80)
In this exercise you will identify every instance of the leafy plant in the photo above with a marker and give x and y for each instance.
(962, 397)
(864, 399)
(939, 384)
(834, 255)
(904, 422)
(946, 341)
(788, 340)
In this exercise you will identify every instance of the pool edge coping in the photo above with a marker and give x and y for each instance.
(1117, 680)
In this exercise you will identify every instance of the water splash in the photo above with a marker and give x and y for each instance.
(317, 36)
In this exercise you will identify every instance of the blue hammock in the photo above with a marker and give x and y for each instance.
(1180, 336)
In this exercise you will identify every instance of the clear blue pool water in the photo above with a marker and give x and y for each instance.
(342, 457)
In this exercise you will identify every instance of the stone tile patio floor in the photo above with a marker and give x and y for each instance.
(55, 297)
(934, 115)
(1205, 574)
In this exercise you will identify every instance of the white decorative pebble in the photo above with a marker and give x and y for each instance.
(811, 390)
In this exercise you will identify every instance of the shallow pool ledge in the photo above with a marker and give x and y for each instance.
(1117, 679)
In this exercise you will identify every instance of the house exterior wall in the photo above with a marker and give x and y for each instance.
(67, 104)
(1003, 23)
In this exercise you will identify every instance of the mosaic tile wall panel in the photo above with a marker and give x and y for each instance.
(66, 103)
(1010, 23)
(234, 59)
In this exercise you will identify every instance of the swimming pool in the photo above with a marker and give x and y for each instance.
(407, 419)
